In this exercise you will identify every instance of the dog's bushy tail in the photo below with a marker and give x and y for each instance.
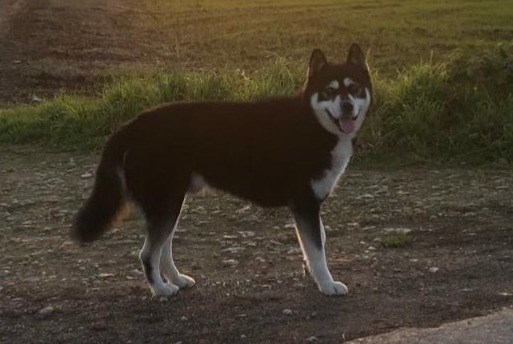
(108, 197)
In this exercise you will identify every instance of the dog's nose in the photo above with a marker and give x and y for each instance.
(347, 107)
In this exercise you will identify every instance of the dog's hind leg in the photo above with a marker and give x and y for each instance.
(161, 218)
(168, 266)
(312, 238)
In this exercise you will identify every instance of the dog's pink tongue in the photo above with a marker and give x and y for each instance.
(347, 125)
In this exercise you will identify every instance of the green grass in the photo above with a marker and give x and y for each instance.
(397, 34)
(395, 240)
(74, 122)
(458, 111)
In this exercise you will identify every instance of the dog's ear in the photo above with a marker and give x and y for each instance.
(317, 62)
(356, 57)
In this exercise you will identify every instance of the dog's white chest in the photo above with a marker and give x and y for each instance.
(340, 156)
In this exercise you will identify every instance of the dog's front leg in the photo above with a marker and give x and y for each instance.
(312, 238)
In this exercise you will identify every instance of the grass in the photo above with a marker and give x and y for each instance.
(462, 111)
(396, 240)
(74, 122)
(459, 111)
(248, 34)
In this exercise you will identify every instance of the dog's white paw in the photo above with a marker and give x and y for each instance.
(184, 281)
(167, 289)
(334, 288)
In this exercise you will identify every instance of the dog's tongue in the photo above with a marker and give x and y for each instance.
(347, 125)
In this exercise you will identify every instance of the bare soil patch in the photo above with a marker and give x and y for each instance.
(459, 263)
(48, 46)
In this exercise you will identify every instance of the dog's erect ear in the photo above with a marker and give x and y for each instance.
(317, 62)
(356, 57)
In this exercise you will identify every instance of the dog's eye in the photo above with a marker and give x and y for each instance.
(328, 93)
(356, 90)
(353, 88)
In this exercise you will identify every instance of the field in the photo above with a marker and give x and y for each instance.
(443, 73)
(48, 45)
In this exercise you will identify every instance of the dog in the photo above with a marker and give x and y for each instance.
(278, 152)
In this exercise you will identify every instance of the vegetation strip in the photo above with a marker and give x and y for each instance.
(461, 110)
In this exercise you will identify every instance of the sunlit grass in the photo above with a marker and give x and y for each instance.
(457, 111)
(249, 34)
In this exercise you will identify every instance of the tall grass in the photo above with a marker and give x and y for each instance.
(461, 110)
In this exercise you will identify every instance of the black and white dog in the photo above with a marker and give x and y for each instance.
(275, 152)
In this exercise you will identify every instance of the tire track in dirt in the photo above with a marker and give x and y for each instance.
(47, 45)
(9, 9)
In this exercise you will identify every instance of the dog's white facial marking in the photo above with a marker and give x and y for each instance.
(324, 109)
(334, 84)
(360, 108)
(348, 82)
(340, 156)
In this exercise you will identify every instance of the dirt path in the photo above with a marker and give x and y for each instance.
(459, 264)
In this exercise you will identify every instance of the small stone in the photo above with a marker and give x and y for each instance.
(396, 230)
(293, 250)
(233, 249)
(365, 196)
(242, 336)
(433, 269)
(243, 209)
(312, 339)
(47, 310)
(287, 311)
(260, 259)
(86, 175)
(105, 275)
(230, 262)
(36, 99)
(183, 318)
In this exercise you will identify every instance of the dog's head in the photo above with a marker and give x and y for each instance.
(339, 94)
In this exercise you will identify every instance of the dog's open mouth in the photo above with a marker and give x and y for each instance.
(345, 125)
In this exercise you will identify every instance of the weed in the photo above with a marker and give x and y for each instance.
(396, 240)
